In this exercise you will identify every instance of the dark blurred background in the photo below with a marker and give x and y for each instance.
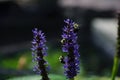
(97, 35)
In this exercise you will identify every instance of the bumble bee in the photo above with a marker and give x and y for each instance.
(61, 59)
(76, 27)
(63, 41)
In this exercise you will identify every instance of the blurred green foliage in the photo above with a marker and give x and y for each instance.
(58, 77)
(36, 77)
(23, 61)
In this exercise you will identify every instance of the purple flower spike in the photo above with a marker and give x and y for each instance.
(38, 52)
(71, 47)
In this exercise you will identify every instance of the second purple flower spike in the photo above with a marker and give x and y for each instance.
(71, 47)
(38, 52)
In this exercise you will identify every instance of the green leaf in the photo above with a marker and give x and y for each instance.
(37, 77)
(59, 77)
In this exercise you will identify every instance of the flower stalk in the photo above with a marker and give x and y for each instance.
(117, 55)
(70, 46)
(38, 52)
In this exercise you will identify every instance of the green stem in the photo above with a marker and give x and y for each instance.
(115, 67)
(117, 55)
(72, 79)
